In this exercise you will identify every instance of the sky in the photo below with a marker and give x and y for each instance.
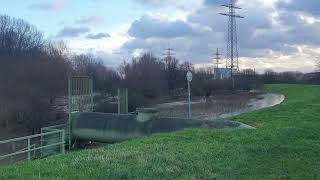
(282, 35)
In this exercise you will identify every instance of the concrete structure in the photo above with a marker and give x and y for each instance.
(222, 73)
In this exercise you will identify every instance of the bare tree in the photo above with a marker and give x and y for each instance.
(172, 71)
(32, 73)
(19, 37)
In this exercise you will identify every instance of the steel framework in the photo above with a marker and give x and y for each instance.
(232, 61)
(80, 97)
(217, 59)
(168, 51)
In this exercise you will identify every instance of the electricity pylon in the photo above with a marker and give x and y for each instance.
(232, 47)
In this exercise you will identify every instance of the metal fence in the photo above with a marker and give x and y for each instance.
(123, 101)
(80, 90)
(80, 97)
(32, 147)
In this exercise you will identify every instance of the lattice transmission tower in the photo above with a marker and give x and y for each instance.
(232, 61)
(217, 59)
(168, 52)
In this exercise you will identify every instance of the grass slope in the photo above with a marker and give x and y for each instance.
(285, 145)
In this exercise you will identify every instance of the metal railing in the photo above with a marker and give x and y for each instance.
(54, 129)
(34, 144)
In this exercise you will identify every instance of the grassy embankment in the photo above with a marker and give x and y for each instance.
(285, 144)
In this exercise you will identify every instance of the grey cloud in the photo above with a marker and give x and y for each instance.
(258, 36)
(72, 31)
(196, 49)
(298, 31)
(151, 34)
(216, 2)
(90, 20)
(208, 15)
(157, 3)
(148, 27)
(306, 6)
(50, 6)
(98, 36)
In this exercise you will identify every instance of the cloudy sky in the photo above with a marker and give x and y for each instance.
(280, 34)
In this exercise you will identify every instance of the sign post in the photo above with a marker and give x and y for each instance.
(189, 79)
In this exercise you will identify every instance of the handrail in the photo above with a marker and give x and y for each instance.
(30, 137)
(32, 147)
(26, 151)
(54, 127)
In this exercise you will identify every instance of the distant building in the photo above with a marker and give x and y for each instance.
(222, 73)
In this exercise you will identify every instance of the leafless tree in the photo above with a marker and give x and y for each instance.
(32, 73)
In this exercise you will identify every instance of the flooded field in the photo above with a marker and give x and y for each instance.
(221, 106)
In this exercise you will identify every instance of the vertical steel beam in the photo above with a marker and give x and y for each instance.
(63, 140)
(29, 149)
(189, 98)
(70, 110)
(91, 92)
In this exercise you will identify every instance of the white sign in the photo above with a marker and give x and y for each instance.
(189, 76)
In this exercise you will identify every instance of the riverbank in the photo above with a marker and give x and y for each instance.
(221, 106)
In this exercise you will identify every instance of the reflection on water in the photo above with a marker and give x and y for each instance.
(222, 106)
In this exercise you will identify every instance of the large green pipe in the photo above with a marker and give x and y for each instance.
(113, 128)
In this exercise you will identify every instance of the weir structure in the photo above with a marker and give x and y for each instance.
(80, 98)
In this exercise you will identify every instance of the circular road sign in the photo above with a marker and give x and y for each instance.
(189, 76)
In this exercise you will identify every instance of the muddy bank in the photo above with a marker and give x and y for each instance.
(221, 106)
(261, 102)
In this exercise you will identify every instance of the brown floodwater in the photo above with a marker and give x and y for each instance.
(223, 106)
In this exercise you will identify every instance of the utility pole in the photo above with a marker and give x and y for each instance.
(232, 48)
(189, 79)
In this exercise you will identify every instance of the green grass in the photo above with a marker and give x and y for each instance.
(286, 145)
